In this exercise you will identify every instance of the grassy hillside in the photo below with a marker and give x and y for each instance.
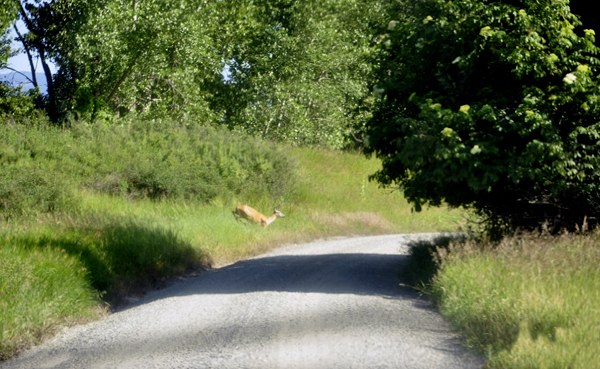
(96, 213)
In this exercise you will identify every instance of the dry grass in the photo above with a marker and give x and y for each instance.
(355, 220)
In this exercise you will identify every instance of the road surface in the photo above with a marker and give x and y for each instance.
(326, 304)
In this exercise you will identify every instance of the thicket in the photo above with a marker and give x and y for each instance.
(491, 105)
(44, 166)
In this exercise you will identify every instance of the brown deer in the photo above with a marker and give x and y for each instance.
(254, 216)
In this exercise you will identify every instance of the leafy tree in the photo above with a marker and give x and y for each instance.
(153, 57)
(491, 105)
(301, 70)
(156, 58)
(8, 13)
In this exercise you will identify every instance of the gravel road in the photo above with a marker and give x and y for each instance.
(329, 304)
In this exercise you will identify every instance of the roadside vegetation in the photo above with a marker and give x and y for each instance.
(529, 301)
(488, 105)
(125, 172)
(97, 213)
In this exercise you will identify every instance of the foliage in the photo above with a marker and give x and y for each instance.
(301, 70)
(298, 70)
(491, 105)
(14, 103)
(154, 57)
(29, 188)
(40, 164)
(8, 13)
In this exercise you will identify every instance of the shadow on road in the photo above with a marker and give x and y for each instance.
(360, 274)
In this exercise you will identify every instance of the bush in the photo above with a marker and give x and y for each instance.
(491, 105)
(40, 164)
(30, 189)
(168, 160)
(15, 103)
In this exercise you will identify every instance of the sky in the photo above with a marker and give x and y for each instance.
(20, 61)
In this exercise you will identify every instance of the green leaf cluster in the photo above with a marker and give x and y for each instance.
(153, 58)
(491, 105)
(302, 70)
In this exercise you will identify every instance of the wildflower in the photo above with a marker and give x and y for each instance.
(569, 78)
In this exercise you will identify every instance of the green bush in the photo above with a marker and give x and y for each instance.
(15, 103)
(27, 189)
(29, 182)
(40, 164)
(167, 160)
(492, 105)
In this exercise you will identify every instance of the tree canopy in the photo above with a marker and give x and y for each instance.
(298, 70)
(304, 69)
(491, 105)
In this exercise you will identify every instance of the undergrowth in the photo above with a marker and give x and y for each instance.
(43, 165)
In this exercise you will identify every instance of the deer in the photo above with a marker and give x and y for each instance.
(246, 212)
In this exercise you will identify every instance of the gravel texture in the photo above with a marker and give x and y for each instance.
(326, 304)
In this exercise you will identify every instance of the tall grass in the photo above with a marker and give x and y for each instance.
(531, 302)
(39, 288)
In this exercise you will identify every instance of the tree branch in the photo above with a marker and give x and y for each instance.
(124, 76)
(34, 78)
(16, 71)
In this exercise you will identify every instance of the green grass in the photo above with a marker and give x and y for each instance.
(113, 244)
(39, 289)
(332, 197)
(531, 302)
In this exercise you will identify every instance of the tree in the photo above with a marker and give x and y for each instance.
(153, 58)
(8, 13)
(14, 102)
(491, 105)
(299, 73)
(156, 58)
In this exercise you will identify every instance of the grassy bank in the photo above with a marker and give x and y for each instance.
(529, 302)
(96, 213)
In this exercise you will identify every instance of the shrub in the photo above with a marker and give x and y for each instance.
(168, 160)
(31, 189)
(40, 164)
(491, 105)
